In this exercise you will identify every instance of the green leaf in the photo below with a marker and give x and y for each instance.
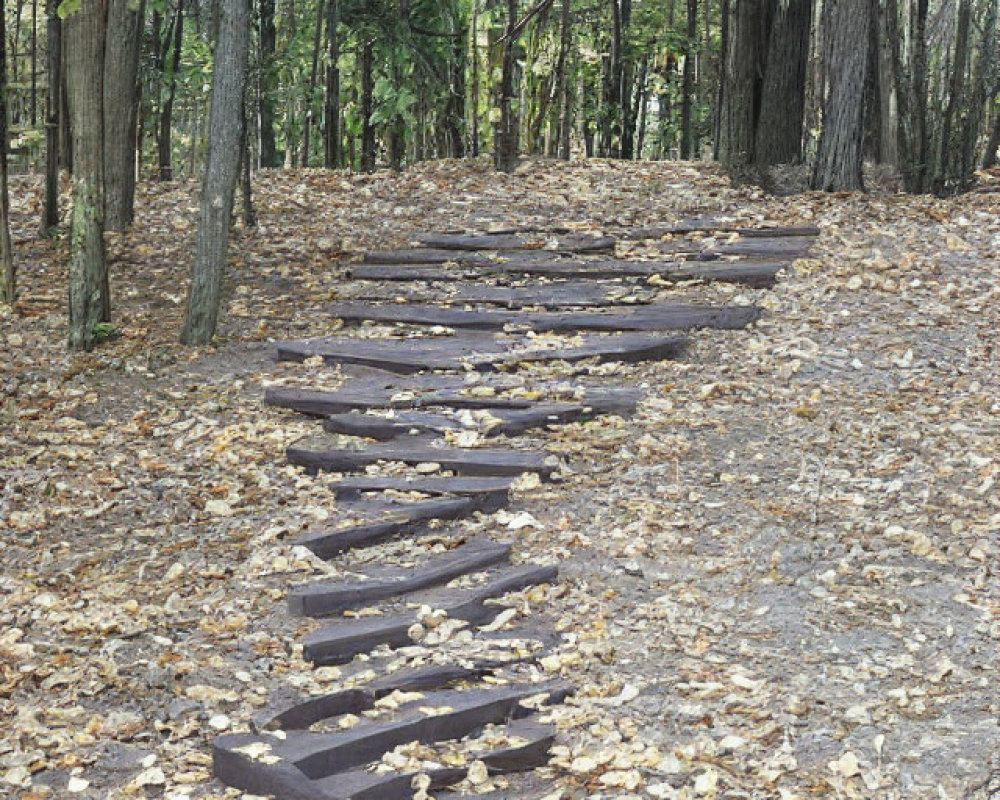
(67, 7)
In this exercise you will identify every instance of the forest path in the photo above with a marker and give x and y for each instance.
(781, 569)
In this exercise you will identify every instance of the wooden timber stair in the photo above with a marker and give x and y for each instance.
(464, 311)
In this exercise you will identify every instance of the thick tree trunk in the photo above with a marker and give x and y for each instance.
(505, 133)
(947, 174)
(221, 171)
(121, 109)
(89, 291)
(839, 160)
(53, 105)
(367, 106)
(164, 147)
(331, 105)
(783, 93)
(265, 92)
(7, 276)
(741, 84)
(687, 87)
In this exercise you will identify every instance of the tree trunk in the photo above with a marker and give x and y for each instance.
(307, 122)
(920, 145)
(53, 104)
(7, 275)
(992, 144)
(505, 134)
(121, 109)
(89, 291)
(367, 105)
(163, 141)
(474, 105)
(221, 171)
(741, 85)
(687, 88)
(642, 103)
(269, 156)
(783, 93)
(331, 106)
(562, 70)
(947, 175)
(246, 173)
(841, 145)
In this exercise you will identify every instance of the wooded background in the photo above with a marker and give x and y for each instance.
(112, 90)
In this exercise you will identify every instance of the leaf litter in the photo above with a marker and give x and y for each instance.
(779, 577)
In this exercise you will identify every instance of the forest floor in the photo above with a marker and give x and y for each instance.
(779, 578)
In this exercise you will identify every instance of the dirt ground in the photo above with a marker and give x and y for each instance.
(779, 579)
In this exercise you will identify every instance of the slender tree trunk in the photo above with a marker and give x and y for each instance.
(331, 106)
(505, 134)
(562, 70)
(246, 172)
(307, 122)
(920, 146)
(474, 54)
(8, 286)
(89, 292)
(625, 84)
(221, 172)
(841, 144)
(265, 86)
(888, 128)
(687, 90)
(121, 109)
(783, 93)
(641, 103)
(163, 140)
(367, 106)
(34, 63)
(53, 104)
(613, 101)
(992, 144)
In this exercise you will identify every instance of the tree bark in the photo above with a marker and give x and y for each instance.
(367, 106)
(741, 85)
(89, 291)
(221, 171)
(7, 274)
(687, 87)
(505, 145)
(783, 93)
(948, 171)
(841, 145)
(121, 109)
(268, 35)
(331, 106)
(163, 140)
(474, 104)
(53, 105)
(307, 122)
(562, 70)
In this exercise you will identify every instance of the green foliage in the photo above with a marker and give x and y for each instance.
(104, 332)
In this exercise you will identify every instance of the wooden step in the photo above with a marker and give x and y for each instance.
(565, 243)
(551, 295)
(339, 642)
(661, 317)
(353, 487)
(441, 391)
(410, 519)
(324, 599)
(480, 351)
(473, 461)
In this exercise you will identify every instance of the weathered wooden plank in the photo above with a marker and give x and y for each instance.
(531, 744)
(473, 461)
(566, 243)
(432, 391)
(478, 351)
(705, 225)
(503, 422)
(317, 766)
(353, 487)
(330, 542)
(301, 714)
(659, 317)
(323, 599)
(561, 294)
(340, 642)
(747, 272)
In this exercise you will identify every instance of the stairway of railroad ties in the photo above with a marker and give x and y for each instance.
(439, 665)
